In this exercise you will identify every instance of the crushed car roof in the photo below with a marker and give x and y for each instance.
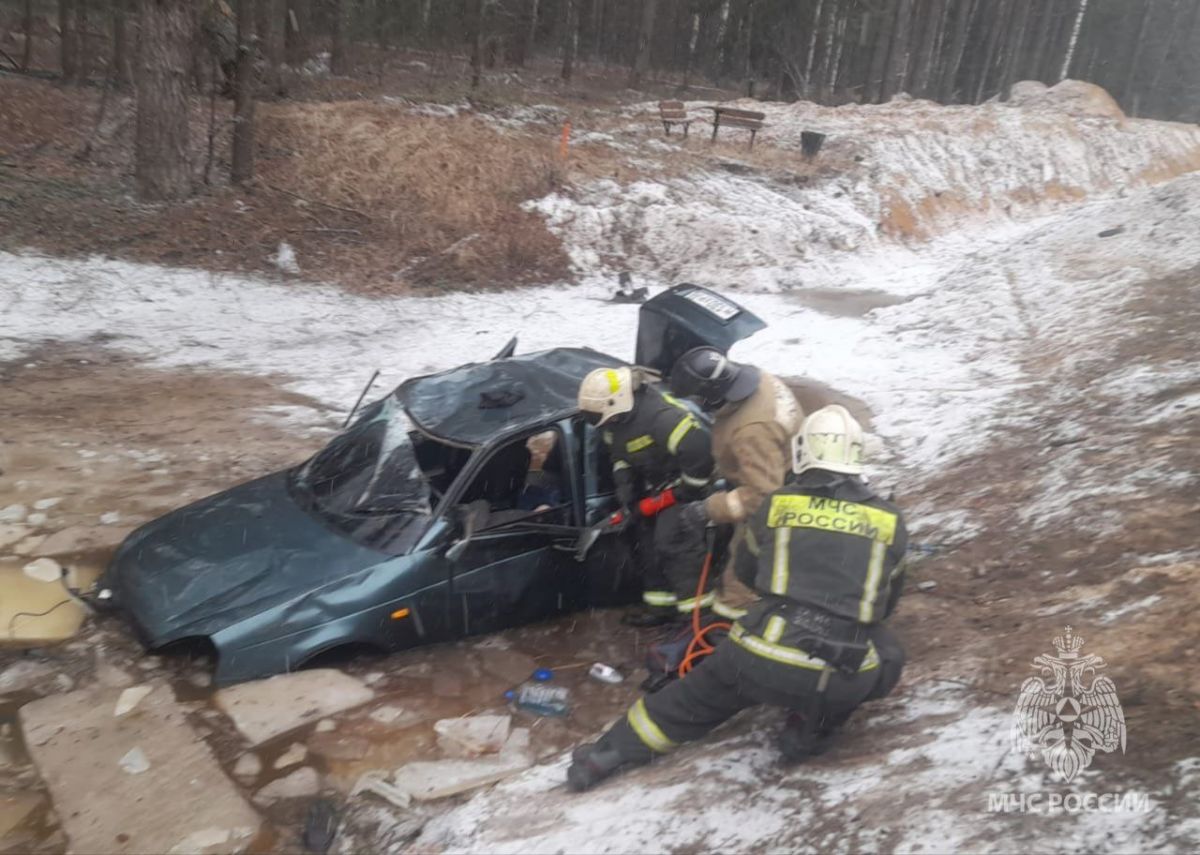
(475, 403)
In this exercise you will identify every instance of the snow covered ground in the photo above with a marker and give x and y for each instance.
(973, 341)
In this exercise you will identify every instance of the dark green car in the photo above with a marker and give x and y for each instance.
(451, 507)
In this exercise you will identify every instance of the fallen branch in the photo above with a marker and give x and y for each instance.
(316, 201)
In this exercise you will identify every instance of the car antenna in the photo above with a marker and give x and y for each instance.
(361, 395)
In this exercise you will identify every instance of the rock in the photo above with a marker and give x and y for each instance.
(43, 570)
(303, 783)
(509, 665)
(394, 716)
(294, 754)
(63, 682)
(247, 767)
(474, 735)
(179, 796)
(46, 504)
(336, 746)
(11, 533)
(326, 725)
(437, 779)
(264, 709)
(110, 518)
(23, 675)
(927, 585)
(13, 513)
(376, 782)
(135, 761)
(130, 698)
(37, 519)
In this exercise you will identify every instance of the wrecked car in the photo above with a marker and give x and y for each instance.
(453, 506)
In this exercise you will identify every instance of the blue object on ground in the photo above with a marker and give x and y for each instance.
(543, 675)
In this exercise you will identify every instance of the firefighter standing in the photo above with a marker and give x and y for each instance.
(756, 416)
(655, 443)
(827, 561)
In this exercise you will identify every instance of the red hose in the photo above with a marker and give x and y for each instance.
(699, 647)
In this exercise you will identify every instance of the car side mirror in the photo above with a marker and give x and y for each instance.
(474, 517)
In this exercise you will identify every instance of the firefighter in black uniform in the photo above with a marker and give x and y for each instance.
(826, 555)
(656, 443)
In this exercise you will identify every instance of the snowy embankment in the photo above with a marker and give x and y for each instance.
(904, 172)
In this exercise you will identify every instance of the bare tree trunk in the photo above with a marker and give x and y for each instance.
(995, 37)
(1016, 44)
(928, 51)
(243, 96)
(963, 14)
(530, 34)
(382, 24)
(121, 73)
(162, 164)
(27, 26)
(570, 39)
(645, 39)
(1073, 42)
(693, 37)
(83, 52)
(67, 51)
(296, 32)
(893, 81)
(1044, 25)
(1138, 46)
(337, 52)
(879, 55)
(477, 13)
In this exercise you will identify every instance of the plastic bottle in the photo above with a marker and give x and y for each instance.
(540, 699)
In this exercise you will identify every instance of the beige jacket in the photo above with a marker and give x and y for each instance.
(752, 446)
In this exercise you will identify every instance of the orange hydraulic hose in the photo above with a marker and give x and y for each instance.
(699, 647)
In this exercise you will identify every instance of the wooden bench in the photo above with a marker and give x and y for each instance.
(729, 117)
(673, 113)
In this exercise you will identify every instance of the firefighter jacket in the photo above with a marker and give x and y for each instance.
(752, 445)
(828, 562)
(660, 442)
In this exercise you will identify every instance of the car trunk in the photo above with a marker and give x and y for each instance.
(685, 317)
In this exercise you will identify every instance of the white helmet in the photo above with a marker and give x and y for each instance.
(607, 392)
(829, 439)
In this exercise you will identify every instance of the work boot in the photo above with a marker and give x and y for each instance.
(590, 765)
(798, 742)
(649, 617)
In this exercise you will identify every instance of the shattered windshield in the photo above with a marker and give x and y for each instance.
(369, 469)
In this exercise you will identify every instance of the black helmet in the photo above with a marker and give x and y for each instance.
(707, 374)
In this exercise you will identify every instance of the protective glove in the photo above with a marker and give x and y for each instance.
(694, 517)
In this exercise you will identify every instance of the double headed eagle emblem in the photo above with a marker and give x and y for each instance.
(1070, 711)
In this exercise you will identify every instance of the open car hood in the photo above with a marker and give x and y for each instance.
(226, 558)
(688, 316)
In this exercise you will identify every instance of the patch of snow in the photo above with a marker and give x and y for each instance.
(1128, 608)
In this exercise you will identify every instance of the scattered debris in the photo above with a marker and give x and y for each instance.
(130, 698)
(13, 514)
(43, 570)
(248, 767)
(544, 700)
(376, 782)
(303, 783)
(35, 610)
(135, 761)
(320, 826)
(605, 673)
(394, 716)
(436, 779)
(473, 735)
(509, 665)
(294, 754)
(264, 709)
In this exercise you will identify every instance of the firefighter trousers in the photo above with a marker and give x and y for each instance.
(732, 679)
(672, 557)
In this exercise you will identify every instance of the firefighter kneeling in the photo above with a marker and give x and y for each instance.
(825, 554)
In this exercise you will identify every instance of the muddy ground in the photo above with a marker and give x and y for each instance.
(91, 426)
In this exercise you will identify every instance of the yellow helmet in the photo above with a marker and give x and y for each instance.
(607, 392)
(830, 438)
